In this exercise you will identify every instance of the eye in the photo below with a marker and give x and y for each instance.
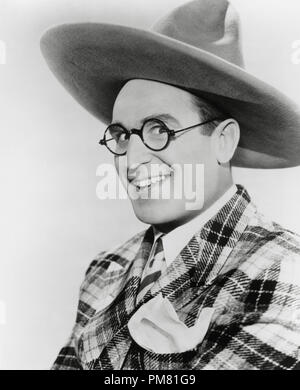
(118, 134)
(157, 129)
(122, 137)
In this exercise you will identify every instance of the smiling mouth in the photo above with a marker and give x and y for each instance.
(146, 183)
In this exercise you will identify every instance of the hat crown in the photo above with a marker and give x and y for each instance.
(210, 25)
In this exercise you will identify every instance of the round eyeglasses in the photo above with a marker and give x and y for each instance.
(154, 134)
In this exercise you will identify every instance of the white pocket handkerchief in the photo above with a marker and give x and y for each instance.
(157, 328)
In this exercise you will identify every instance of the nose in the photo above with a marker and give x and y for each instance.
(137, 152)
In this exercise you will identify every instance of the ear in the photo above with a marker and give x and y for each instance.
(225, 140)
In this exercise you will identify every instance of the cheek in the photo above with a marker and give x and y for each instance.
(121, 167)
(190, 150)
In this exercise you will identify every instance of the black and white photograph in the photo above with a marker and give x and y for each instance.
(150, 186)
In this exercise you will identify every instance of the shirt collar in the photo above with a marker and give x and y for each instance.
(177, 239)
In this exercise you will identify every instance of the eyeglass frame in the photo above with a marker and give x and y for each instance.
(139, 132)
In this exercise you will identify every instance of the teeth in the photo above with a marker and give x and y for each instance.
(153, 180)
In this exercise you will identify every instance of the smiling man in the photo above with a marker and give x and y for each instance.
(156, 106)
(212, 286)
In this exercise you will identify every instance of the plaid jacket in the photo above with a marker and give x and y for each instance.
(241, 264)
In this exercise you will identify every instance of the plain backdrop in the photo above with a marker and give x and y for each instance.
(51, 222)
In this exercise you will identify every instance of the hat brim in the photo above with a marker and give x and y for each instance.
(93, 61)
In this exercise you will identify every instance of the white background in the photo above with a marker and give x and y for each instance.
(51, 223)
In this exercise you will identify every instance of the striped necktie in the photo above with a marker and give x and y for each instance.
(154, 267)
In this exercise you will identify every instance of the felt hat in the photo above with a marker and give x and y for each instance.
(196, 47)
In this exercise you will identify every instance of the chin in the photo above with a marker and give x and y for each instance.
(156, 212)
(150, 217)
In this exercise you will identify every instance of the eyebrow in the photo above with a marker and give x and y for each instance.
(162, 116)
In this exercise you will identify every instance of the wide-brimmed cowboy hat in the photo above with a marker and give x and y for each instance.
(196, 47)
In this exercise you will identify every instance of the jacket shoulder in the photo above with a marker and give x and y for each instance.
(271, 267)
(271, 240)
(118, 256)
(263, 275)
(266, 250)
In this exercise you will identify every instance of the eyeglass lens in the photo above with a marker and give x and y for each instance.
(154, 135)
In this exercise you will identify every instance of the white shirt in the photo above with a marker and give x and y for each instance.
(177, 239)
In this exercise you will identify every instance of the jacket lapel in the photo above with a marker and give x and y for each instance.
(106, 341)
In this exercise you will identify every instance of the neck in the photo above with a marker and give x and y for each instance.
(224, 183)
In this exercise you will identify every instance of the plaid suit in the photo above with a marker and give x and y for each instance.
(243, 265)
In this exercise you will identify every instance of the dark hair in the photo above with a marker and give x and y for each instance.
(208, 111)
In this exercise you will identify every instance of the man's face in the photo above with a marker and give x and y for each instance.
(137, 100)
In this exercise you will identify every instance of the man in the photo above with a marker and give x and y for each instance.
(213, 286)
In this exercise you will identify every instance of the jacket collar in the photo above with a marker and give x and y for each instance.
(178, 238)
